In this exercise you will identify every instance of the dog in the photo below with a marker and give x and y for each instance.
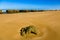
(28, 29)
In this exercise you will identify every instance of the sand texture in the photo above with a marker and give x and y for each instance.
(47, 25)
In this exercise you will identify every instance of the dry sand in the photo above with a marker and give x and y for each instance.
(47, 24)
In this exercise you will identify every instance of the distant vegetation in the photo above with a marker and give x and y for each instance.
(19, 11)
(0, 11)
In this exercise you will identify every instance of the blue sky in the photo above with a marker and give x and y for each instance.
(30, 4)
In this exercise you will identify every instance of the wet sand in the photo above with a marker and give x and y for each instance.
(47, 24)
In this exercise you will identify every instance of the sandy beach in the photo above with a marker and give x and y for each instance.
(47, 23)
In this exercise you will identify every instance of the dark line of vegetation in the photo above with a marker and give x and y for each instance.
(19, 11)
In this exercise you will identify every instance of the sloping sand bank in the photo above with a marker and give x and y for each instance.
(47, 24)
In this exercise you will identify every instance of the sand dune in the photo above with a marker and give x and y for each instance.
(47, 24)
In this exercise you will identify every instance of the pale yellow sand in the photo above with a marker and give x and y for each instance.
(47, 24)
